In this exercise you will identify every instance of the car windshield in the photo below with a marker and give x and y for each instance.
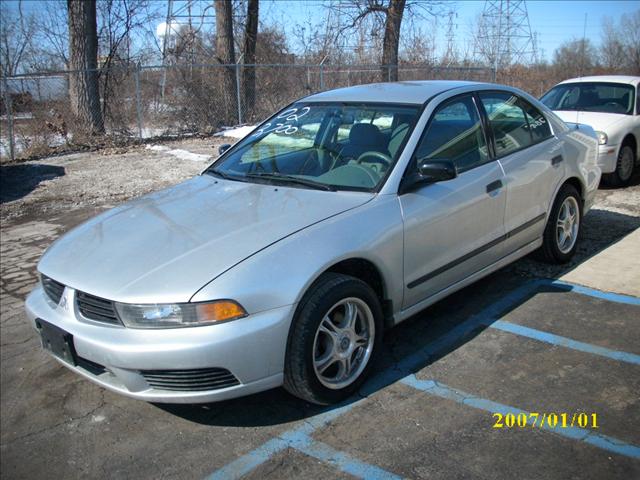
(326, 146)
(591, 97)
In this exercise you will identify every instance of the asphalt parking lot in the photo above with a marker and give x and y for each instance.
(525, 340)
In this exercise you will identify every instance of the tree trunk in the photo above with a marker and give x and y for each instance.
(84, 93)
(391, 41)
(226, 54)
(250, 39)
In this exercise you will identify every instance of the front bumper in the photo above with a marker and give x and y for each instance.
(251, 348)
(607, 158)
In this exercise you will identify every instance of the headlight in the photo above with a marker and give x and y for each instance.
(602, 138)
(178, 314)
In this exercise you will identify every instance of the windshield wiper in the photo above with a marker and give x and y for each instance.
(221, 174)
(292, 179)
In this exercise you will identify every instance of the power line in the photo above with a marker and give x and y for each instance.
(504, 37)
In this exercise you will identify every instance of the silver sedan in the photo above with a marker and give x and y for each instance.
(284, 261)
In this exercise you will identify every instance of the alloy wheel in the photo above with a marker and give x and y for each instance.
(568, 224)
(343, 343)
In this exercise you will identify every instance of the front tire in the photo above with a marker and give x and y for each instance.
(561, 235)
(625, 167)
(335, 336)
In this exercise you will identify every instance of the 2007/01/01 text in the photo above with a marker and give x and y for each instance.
(542, 420)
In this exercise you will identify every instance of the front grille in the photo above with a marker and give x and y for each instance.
(96, 308)
(52, 288)
(190, 380)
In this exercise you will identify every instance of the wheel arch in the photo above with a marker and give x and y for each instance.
(367, 271)
(574, 182)
(630, 139)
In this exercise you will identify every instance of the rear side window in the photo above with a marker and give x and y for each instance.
(455, 133)
(516, 124)
(538, 125)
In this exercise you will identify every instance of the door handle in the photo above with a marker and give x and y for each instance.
(556, 160)
(493, 186)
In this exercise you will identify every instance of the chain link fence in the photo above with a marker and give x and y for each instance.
(174, 101)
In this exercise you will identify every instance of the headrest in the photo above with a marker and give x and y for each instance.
(365, 134)
(625, 100)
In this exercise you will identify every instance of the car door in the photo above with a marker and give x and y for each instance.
(532, 160)
(452, 228)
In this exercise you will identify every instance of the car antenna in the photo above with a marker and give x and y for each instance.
(581, 72)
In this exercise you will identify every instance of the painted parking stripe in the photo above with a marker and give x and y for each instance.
(592, 292)
(575, 433)
(340, 460)
(486, 317)
(253, 459)
(565, 342)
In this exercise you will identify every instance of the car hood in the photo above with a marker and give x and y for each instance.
(165, 246)
(601, 122)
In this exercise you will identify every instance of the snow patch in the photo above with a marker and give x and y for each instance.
(157, 148)
(238, 132)
(181, 154)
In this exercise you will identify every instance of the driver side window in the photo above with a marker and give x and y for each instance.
(455, 133)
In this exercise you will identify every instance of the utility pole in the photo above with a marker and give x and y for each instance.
(450, 54)
(195, 15)
(504, 37)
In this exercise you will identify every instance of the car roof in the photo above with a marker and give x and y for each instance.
(417, 92)
(628, 79)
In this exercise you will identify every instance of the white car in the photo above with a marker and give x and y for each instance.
(611, 105)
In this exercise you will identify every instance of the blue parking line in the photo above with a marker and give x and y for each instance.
(488, 317)
(564, 342)
(340, 460)
(250, 461)
(592, 292)
(253, 459)
(575, 433)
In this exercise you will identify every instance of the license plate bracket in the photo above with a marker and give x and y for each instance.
(57, 341)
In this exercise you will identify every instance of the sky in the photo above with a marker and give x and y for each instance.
(554, 21)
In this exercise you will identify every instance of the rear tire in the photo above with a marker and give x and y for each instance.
(333, 341)
(564, 226)
(625, 167)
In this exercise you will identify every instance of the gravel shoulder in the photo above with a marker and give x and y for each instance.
(100, 179)
(78, 430)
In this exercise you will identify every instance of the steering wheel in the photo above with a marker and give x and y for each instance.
(614, 104)
(376, 157)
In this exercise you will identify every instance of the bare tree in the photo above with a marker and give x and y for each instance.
(16, 38)
(387, 14)
(84, 93)
(250, 40)
(630, 33)
(579, 56)
(53, 37)
(391, 42)
(612, 50)
(225, 51)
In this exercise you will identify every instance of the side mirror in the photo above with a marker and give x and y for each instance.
(437, 170)
(429, 171)
(223, 148)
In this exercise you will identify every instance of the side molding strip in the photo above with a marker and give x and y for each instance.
(477, 251)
